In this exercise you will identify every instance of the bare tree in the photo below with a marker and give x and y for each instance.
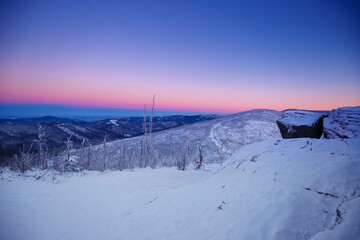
(69, 146)
(40, 140)
(142, 147)
(97, 159)
(141, 159)
(130, 158)
(155, 159)
(201, 159)
(45, 155)
(83, 143)
(220, 152)
(188, 144)
(151, 123)
(179, 161)
(148, 136)
(183, 162)
(131, 161)
(82, 154)
(104, 152)
(88, 163)
(122, 157)
(185, 156)
(24, 159)
(173, 158)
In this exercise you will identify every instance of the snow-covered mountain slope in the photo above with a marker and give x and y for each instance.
(223, 135)
(343, 123)
(14, 133)
(288, 189)
(273, 189)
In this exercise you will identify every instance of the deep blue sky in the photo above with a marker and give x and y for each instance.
(195, 55)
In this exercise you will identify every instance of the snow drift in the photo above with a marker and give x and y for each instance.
(273, 189)
(288, 189)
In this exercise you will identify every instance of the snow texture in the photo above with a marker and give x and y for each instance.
(301, 118)
(227, 134)
(343, 123)
(114, 122)
(273, 189)
(68, 131)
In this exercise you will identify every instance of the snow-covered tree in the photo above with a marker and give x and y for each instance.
(24, 159)
(70, 160)
(71, 165)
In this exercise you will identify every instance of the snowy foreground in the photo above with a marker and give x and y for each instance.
(274, 189)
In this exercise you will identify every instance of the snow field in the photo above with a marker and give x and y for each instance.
(273, 189)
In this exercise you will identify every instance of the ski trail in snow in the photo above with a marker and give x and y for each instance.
(224, 148)
(68, 131)
(131, 211)
(213, 136)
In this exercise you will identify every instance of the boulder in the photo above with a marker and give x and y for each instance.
(301, 124)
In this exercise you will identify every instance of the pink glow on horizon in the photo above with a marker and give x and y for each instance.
(173, 105)
(100, 89)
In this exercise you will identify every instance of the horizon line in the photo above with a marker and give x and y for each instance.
(10, 110)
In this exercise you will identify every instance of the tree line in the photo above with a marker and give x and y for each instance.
(102, 157)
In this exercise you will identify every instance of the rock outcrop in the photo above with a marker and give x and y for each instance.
(343, 123)
(301, 124)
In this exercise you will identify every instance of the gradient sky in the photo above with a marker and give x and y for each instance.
(203, 56)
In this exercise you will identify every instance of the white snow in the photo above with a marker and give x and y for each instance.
(226, 134)
(300, 118)
(213, 137)
(343, 123)
(114, 122)
(44, 175)
(68, 131)
(274, 189)
(353, 109)
(82, 129)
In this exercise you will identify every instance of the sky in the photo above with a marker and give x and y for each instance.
(195, 56)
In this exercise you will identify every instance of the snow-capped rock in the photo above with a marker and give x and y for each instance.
(300, 124)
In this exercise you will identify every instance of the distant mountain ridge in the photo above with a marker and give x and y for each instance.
(53, 119)
(16, 132)
(45, 119)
